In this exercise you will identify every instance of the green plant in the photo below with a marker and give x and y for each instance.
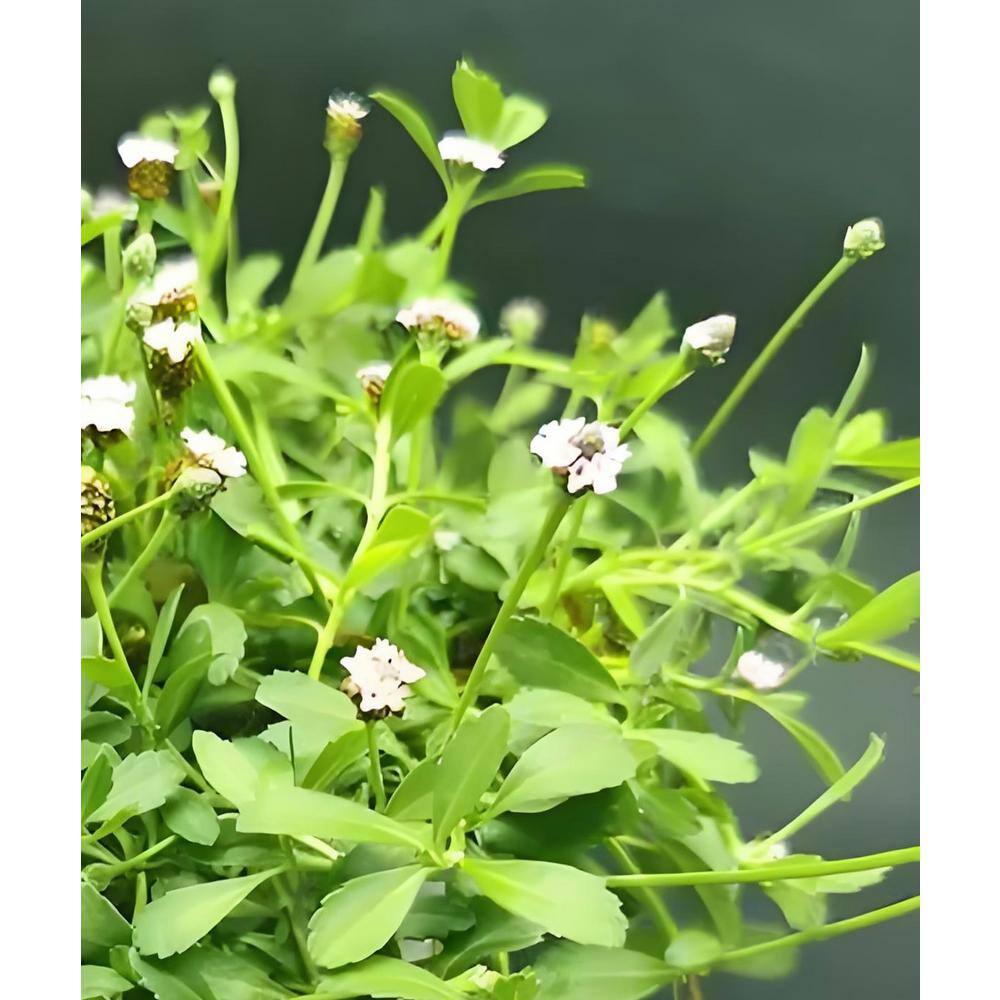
(377, 705)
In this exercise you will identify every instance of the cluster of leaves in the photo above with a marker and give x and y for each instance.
(234, 845)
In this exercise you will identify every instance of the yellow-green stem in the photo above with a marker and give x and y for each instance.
(324, 215)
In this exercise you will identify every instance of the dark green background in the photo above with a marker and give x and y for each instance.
(729, 144)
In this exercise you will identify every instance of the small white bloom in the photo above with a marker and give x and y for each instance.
(174, 277)
(458, 320)
(760, 671)
(712, 337)
(461, 148)
(381, 675)
(341, 105)
(106, 404)
(445, 541)
(376, 370)
(522, 319)
(778, 851)
(175, 340)
(134, 148)
(213, 455)
(864, 238)
(588, 454)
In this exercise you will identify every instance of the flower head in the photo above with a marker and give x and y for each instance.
(150, 165)
(344, 113)
(380, 675)
(347, 105)
(760, 671)
(106, 405)
(173, 339)
(373, 377)
(864, 238)
(455, 320)
(457, 147)
(210, 454)
(134, 149)
(97, 505)
(589, 455)
(171, 292)
(522, 319)
(712, 337)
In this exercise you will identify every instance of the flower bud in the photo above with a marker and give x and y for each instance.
(222, 85)
(97, 505)
(138, 315)
(711, 337)
(373, 378)
(139, 257)
(344, 113)
(522, 319)
(864, 238)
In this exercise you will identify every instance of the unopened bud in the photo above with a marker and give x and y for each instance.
(522, 319)
(97, 505)
(222, 85)
(139, 257)
(864, 238)
(344, 113)
(711, 337)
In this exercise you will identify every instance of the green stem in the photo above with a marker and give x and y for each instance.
(565, 554)
(148, 554)
(458, 198)
(220, 228)
(92, 575)
(324, 215)
(678, 372)
(137, 860)
(112, 337)
(116, 522)
(288, 902)
(532, 558)
(774, 872)
(375, 768)
(113, 257)
(763, 359)
(258, 466)
(822, 933)
(659, 911)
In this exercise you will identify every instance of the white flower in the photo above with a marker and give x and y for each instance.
(778, 851)
(864, 238)
(108, 200)
(211, 454)
(106, 404)
(712, 337)
(174, 277)
(445, 541)
(760, 671)
(461, 148)
(588, 454)
(134, 148)
(381, 675)
(342, 105)
(175, 340)
(375, 371)
(522, 319)
(458, 320)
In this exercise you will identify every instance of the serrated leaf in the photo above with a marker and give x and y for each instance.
(235, 768)
(388, 977)
(590, 972)
(544, 177)
(140, 782)
(886, 615)
(705, 755)
(355, 920)
(190, 816)
(303, 699)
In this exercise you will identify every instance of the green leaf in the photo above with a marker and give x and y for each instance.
(590, 972)
(705, 755)
(387, 977)
(250, 279)
(894, 459)
(96, 783)
(886, 615)
(544, 177)
(414, 795)
(801, 908)
(336, 758)
(542, 655)
(478, 98)
(300, 698)
(417, 126)
(401, 531)
(100, 981)
(411, 393)
(520, 119)
(235, 769)
(356, 919)
(180, 691)
(326, 288)
(163, 984)
(164, 623)
(190, 816)
(666, 641)
(565, 901)
(573, 760)
(108, 673)
(100, 922)
(693, 950)
(140, 782)
(468, 766)
(302, 811)
(181, 917)
(809, 456)
(227, 636)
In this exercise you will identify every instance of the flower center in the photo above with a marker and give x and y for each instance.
(590, 441)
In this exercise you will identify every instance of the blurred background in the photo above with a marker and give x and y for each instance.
(729, 145)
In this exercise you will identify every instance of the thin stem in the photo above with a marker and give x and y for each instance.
(560, 505)
(760, 363)
(822, 933)
(113, 257)
(258, 466)
(116, 522)
(454, 208)
(375, 768)
(657, 908)
(137, 860)
(324, 215)
(716, 517)
(678, 372)
(148, 554)
(288, 902)
(220, 228)
(112, 337)
(565, 554)
(774, 872)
